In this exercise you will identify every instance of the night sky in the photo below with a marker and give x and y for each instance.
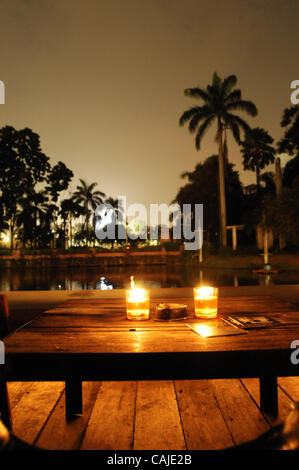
(103, 82)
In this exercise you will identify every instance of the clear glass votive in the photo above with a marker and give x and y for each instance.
(138, 304)
(205, 302)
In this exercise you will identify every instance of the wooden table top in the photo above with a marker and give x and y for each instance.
(92, 340)
(99, 326)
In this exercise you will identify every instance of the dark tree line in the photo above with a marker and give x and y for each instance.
(33, 208)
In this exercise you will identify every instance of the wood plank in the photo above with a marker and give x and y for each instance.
(30, 414)
(97, 341)
(157, 422)
(242, 416)
(97, 321)
(290, 385)
(284, 402)
(111, 423)
(202, 420)
(16, 390)
(58, 434)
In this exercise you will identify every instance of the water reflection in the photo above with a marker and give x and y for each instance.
(104, 284)
(83, 278)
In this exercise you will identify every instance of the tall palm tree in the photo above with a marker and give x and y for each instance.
(220, 100)
(257, 151)
(89, 199)
(118, 212)
(69, 210)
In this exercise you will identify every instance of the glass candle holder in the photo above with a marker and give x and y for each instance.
(138, 304)
(205, 302)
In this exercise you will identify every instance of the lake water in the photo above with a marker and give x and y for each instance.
(82, 278)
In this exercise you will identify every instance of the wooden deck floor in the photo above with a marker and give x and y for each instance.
(161, 415)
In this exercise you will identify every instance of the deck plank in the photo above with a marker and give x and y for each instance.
(202, 420)
(290, 385)
(16, 390)
(34, 408)
(242, 416)
(111, 424)
(284, 402)
(58, 434)
(197, 415)
(157, 421)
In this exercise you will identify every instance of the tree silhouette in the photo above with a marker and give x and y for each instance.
(69, 210)
(220, 100)
(257, 151)
(89, 199)
(201, 188)
(22, 166)
(290, 141)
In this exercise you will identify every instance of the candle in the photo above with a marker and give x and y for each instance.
(137, 302)
(206, 302)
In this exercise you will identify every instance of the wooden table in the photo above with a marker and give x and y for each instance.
(85, 340)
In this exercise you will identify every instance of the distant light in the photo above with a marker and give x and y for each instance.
(104, 285)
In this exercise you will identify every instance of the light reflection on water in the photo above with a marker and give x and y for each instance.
(155, 276)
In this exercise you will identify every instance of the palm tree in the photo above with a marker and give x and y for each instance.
(89, 198)
(35, 211)
(219, 101)
(257, 151)
(118, 212)
(69, 209)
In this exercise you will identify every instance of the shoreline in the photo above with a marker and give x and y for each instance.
(279, 261)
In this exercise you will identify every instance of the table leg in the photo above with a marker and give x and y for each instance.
(4, 405)
(73, 398)
(268, 395)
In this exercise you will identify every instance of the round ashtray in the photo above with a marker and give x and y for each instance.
(170, 312)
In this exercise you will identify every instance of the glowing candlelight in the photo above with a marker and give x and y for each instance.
(206, 302)
(137, 302)
(203, 330)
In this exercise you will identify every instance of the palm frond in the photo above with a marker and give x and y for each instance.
(187, 115)
(216, 81)
(197, 93)
(233, 119)
(92, 186)
(228, 84)
(202, 130)
(99, 193)
(234, 96)
(83, 184)
(243, 105)
(236, 131)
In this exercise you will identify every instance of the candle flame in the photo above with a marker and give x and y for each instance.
(205, 292)
(132, 282)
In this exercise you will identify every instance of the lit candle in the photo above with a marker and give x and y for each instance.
(205, 302)
(137, 302)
